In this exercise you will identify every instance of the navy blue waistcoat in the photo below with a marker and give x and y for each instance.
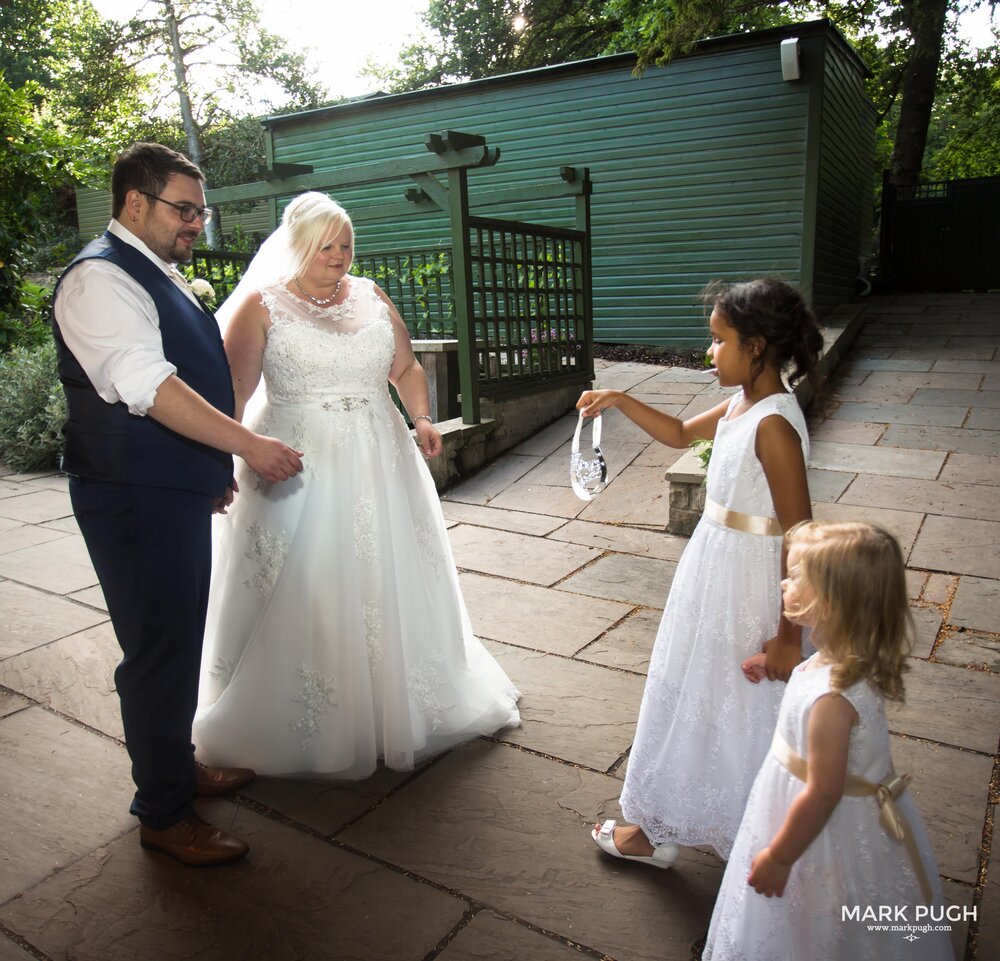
(106, 442)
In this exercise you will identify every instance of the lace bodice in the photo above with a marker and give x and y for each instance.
(735, 479)
(327, 355)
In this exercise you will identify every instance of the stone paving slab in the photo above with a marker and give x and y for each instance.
(903, 413)
(537, 617)
(325, 806)
(887, 461)
(950, 788)
(927, 624)
(539, 499)
(659, 455)
(620, 577)
(940, 588)
(53, 482)
(887, 378)
(502, 520)
(19, 536)
(550, 438)
(827, 485)
(984, 418)
(65, 792)
(847, 432)
(11, 490)
(668, 403)
(295, 898)
(885, 363)
(639, 495)
(950, 705)
(488, 937)
(976, 605)
(971, 469)
(66, 525)
(964, 440)
(967, 547)
(952, 397)
(903, 525)
(622, 540)
(622, 377)
(966, 352)
(627, 646)
(74, 675)
(91, 596)
(870, 394)
(581, 713)
(915, 581)
(61, 566)
(554, 470)
(517, 556)
(9, 951)
(925, 496)
(482, 487)
(10, 702)
(952, 366)
(511, 830)
(970, 649)
(32, 618)
(36, 506)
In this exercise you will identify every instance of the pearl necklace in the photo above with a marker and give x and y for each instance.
(319, 302)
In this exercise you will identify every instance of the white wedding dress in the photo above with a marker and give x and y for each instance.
(336, 632)
(703, 729)
(846, 874)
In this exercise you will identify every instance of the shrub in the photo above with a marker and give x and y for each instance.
(32, 408)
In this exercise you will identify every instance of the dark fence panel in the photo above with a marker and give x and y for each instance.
(940, 236)
(530, 304)
(417, 281)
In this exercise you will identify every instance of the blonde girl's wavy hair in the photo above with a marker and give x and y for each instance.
(311, 219)
(862, 618)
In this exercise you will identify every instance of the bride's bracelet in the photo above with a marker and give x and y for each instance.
(426, 417)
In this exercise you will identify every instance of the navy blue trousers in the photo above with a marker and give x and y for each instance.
(152, 550)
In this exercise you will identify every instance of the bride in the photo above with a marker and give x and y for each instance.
(336, 632)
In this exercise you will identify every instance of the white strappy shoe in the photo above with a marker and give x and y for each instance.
(663, 855)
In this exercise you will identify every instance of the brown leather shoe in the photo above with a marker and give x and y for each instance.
(212, 781)
(193, 842)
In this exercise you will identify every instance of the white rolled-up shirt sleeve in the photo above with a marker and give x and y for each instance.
(110, 324)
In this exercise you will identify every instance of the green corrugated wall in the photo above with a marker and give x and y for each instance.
(845, 214)
(702, 169)
(93, 211)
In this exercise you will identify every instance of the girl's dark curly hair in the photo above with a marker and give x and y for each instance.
(776, 312)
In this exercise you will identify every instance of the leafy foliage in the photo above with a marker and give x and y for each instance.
(32, 408)
(483, 38)
(38, 159)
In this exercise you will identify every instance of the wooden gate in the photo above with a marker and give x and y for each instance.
(940, 236)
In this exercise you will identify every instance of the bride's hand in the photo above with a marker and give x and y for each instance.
(429, 438)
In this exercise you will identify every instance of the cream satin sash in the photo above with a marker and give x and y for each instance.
(893, 820)
(747, 523)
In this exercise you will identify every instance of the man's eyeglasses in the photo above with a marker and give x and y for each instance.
(189, 213)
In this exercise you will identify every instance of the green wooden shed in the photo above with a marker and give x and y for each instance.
(752, 155)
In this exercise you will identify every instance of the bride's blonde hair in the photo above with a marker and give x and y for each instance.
(861, 613)
(310, 219)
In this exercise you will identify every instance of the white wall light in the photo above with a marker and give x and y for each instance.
(790, 59)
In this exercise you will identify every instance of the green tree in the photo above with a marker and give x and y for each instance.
(903, 41)
(216, 60)
(38, 159)
(483, 38)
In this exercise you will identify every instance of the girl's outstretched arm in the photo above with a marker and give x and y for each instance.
(779, 450)
(828, 737)
(663, 427)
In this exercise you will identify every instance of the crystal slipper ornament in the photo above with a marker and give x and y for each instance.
(588, 475)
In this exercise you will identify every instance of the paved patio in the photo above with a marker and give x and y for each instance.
(484, 853)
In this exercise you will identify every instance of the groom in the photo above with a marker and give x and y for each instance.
(149, 445)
